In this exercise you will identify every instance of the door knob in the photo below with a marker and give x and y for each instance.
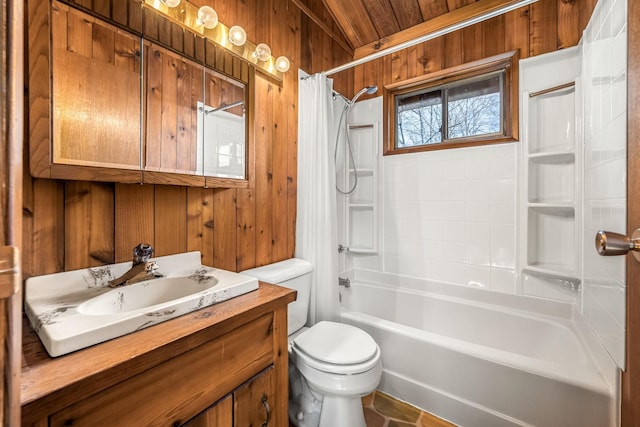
(609, 243)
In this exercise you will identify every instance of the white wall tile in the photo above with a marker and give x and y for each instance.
(477, 211)
(453, 190)
(431, 210)
(503, 257)
(503, 189)
(502, 212)
(431, 190)
(438, 210)
(478, 189)
(478, 276)
(453, 210)
(605, 89)
(503, 280)
(503, 234)
(477, 233)
(453, 169)
(478, 254)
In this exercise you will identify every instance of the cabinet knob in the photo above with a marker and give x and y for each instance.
(267, 408)
(609, 243)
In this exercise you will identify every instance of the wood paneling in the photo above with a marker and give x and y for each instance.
(89, 223)
(134, 207)
(542, 27)
(75, 224)
(542, 23)
(11, 200)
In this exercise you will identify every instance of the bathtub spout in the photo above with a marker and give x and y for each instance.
(344, 281)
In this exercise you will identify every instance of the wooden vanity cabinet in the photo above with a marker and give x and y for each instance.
(219, 415)
(223, 365)
(249, 405)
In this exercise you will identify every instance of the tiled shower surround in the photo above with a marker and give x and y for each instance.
(450, 215)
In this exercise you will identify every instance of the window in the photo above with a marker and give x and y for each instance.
(468, 105)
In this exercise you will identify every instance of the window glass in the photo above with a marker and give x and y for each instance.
(475, 108)
(419, 119)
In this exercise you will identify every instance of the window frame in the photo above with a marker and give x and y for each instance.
(507, 61)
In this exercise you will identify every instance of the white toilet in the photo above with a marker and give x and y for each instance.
(331, 365)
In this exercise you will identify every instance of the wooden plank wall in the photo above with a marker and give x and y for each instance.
(76, 224)
(542, 27)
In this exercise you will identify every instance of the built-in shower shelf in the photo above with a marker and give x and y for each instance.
(362, 204)
(551, 192)
(362, 172)
(559, 209)
(556, 271)
(553, 157)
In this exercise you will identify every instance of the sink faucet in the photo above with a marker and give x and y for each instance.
(141, 268)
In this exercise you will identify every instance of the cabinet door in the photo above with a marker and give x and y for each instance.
(181, 387)
(174, 90)
(218, 415)
(224, 127)
(254, 399)
(95, 92)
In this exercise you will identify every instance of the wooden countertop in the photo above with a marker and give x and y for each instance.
(90, 370)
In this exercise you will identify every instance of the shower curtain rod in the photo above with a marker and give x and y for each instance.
(432, 35)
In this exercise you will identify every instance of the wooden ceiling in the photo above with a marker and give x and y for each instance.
(369, 24)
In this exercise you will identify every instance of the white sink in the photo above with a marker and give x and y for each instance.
(144, 294)
(77, 309)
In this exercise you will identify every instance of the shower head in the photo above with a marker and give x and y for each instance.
(371, 89)
(368, 89)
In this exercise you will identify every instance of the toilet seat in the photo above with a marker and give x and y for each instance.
(336, 348)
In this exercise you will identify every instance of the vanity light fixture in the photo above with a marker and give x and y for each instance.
(282, 64)
(262, 52)
(237, 35)
(204, 21)
(207, 17)
(171, 3)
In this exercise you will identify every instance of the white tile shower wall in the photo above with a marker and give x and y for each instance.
(450, 215)
(604, 77)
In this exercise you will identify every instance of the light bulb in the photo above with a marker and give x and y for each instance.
(237, 35)
(207, 17)
(171, 3)
(282, 64)
(262, 52)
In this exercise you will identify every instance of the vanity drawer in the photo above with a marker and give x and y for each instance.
(177, 390)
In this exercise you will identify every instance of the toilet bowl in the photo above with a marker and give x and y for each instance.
(331, 365)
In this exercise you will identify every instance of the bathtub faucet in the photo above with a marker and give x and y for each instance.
(342, 248)
(344, 281)
(141, 268)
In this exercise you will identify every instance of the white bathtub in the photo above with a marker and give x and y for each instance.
(480, 358)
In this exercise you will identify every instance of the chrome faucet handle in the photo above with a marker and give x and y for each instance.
(142, 253)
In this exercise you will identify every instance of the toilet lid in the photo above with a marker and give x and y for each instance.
(336, 343)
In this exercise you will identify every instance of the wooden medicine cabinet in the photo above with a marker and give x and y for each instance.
(118, 103)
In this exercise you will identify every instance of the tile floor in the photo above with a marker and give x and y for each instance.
(382, 410)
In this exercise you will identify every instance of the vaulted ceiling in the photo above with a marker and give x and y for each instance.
(366, 21)
(369, 25)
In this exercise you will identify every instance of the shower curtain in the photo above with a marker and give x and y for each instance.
(316, 223)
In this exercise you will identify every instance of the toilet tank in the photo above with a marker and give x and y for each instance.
(292, 273)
